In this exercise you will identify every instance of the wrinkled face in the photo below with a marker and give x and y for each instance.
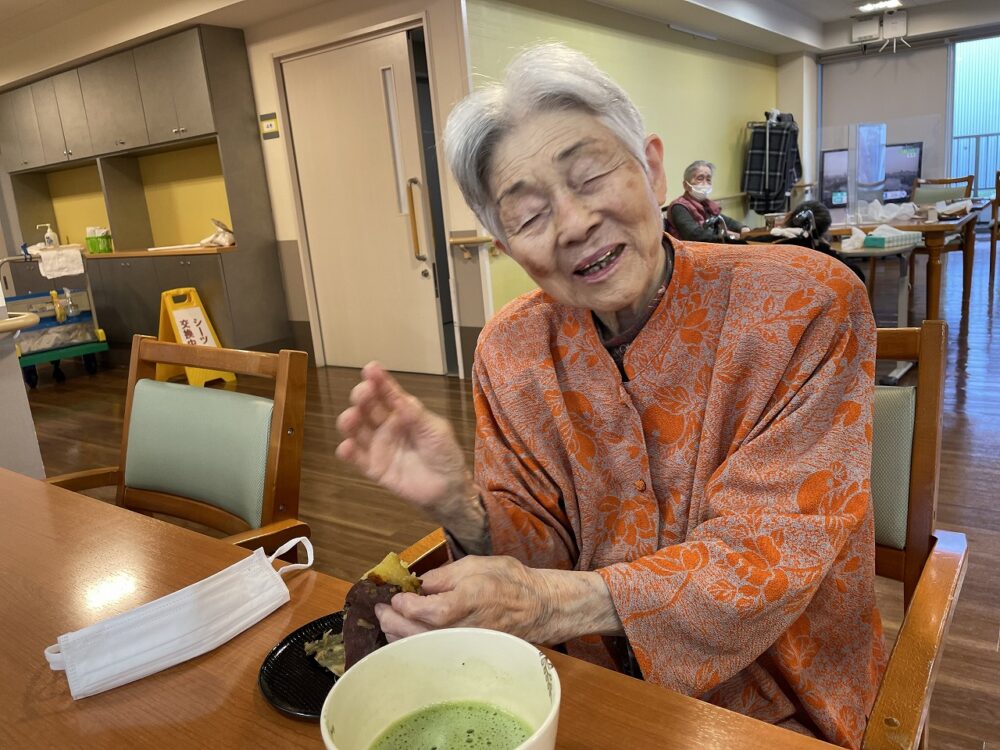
(701, 176)
(581, 215)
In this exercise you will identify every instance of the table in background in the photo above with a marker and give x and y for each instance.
(70, 561)
(934, 242)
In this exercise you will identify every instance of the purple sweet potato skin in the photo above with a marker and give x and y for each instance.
(359, 609)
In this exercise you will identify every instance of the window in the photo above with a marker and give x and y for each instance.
(975, 146)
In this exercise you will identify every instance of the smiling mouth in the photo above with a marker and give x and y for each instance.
(601, 263)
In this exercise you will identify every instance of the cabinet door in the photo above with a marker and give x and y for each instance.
(209, 281)
(132, 301)
(146, 287)
(114, 305)
(43, 93)
(10, 147)
(72, 114)
(27, 128)
(171, 272)
(111, 100)
(174, 87)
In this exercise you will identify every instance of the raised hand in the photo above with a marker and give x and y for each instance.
(395, 441)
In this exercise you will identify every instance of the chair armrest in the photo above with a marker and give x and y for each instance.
(88, 479)
(270, 536)
(426, 554)
(900, 710)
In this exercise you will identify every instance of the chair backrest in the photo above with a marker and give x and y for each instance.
(230, 461)
(945, 189)
(906, 453)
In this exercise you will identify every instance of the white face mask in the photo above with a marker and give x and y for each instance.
(699, 191)
(174, 628)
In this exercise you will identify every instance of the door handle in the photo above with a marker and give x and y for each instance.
(413, 219)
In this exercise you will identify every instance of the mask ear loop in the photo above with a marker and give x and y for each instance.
(304, 541)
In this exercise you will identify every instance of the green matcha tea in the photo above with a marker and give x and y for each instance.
(455, 725)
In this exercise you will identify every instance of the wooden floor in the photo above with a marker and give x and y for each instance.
(354, 523)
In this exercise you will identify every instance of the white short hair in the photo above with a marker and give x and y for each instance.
(695, 166)
(541, 79)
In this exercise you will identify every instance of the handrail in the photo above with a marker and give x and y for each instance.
(17, 320)
(478, 240)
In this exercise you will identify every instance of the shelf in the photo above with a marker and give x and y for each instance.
(159, 253)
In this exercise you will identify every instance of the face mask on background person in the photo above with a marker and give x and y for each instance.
(700, 191)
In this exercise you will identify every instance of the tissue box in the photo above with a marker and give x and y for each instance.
(897, 240)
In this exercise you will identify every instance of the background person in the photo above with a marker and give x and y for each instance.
(694, 216)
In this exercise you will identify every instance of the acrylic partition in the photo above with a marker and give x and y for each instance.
(878, 160)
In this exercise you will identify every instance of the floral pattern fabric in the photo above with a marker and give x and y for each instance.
(721, 490)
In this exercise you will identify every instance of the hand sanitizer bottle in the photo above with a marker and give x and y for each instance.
(51, 240)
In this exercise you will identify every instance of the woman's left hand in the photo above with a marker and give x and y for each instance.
(500, 593)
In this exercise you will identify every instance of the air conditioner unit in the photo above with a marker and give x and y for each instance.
(894, 24)
(866, 30)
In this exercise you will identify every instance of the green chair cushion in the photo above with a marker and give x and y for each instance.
(929, 194)
(201, 443)
(892, 446)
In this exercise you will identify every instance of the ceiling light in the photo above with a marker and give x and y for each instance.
(880, 5)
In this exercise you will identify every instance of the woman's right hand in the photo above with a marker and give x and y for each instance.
(395, 441)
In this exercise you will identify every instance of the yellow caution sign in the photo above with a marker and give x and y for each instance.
(183, 321)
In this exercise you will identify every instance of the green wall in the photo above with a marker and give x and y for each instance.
(696, 94)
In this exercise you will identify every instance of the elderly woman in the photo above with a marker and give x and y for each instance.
(672, 440)
(694, 216)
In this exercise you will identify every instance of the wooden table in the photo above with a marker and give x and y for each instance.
(934, 241)
(69, 561)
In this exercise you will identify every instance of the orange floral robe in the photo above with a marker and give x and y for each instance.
(722, 492)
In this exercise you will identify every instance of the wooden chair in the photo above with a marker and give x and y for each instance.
(994, 227)
(225, 460)
(931, 191)
(931, 564)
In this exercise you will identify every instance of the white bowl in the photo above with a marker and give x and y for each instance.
(457, 664)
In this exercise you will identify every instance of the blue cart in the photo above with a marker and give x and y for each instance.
(68, 326)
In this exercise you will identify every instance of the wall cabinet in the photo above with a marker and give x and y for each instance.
(62, 118)
(10, 146)
(185, 90)
(174, 87)
(112, 102)
(20, 140)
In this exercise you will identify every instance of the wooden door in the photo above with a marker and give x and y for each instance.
(354, 127)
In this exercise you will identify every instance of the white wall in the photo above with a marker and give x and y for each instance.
(798, 89)
(908, 91)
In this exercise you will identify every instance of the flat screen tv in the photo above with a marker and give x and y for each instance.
(902, 168)
(903, 162)
(833, 178)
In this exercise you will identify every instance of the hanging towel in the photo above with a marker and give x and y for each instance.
(63, 261)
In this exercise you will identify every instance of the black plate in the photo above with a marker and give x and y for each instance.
(292, 680)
